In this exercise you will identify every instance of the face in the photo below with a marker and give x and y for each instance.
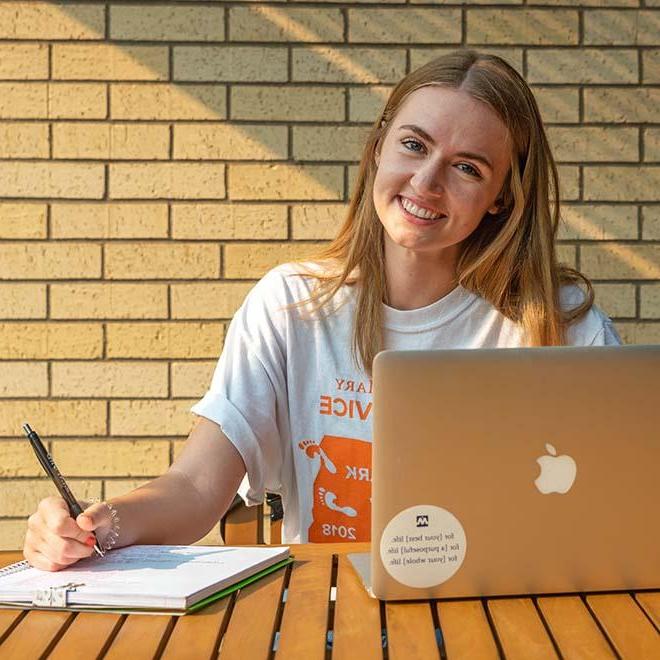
(441, 167)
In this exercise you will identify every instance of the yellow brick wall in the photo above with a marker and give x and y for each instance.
(157, 158)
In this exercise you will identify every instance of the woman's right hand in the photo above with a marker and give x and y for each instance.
(55, 540)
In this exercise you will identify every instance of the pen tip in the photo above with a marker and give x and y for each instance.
(26, 428)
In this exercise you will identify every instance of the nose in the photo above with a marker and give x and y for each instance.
(427, 181)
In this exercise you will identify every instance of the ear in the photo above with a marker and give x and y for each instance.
(494, 209)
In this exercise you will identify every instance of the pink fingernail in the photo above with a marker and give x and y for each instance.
(90, 541)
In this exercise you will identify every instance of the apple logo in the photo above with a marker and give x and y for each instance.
(557, 472)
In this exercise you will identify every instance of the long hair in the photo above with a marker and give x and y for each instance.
(510, 260)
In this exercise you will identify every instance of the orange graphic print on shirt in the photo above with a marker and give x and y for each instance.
(342, 489)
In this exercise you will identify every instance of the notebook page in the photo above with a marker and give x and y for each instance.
(146, 575)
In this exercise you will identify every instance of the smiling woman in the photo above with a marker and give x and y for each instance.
(448, 243)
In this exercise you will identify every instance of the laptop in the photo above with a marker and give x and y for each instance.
(514, 471)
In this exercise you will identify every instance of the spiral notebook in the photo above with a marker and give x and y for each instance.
(141, 578)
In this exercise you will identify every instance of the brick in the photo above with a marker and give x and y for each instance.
(621, 184)
(51, 20)
(127, 261)
(167, 23)
(557, 104)
(109, 62)
(116, 457)
(208, 300)
(46, 341)
(253, 260)
(317, 221)
(64, 418)
(21, 497)
(23, 100)
(614, 28)
(22, 301)
(22, 220)
(352, 177)
(23, 61)
(650, 301)
(651, 65)
(615, 261)
(621, 105)
(108, 300)
(23, 140)
(164, 340)
(287, 103)
(115, 487)
(285, 181)
(652, 144)
(230, 63)
(18, 459)
(229, 221)
(407, 26)
(569, 182)
(348, 64)
(567, 254)
(616, 300)
(167, 101)
(152, 418)
(589, 3)
(191, 379)
(535, 27)
(594, 143)
(51, 179)
(77, 101)
(582, 65)
(513, 56)
(167, 180)
(23, 379)
(598, 222)
(109, 220)
(230, 142)
(111, 141)
(651, 223)
(342, 143)
(38, 261)
(262, 23)
(443, 2)
(109, 379)
(639, 333)
(12, 534)
(366, 103)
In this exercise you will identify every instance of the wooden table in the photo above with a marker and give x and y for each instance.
(293, 610)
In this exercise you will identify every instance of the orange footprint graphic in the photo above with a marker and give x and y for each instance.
(312, 449)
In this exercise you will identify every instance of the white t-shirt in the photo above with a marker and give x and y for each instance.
(288, 395)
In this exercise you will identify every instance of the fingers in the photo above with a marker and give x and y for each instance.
(93, 517)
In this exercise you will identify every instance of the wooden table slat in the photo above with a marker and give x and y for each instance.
(465, 630)
(139, 637)
(410, 631)
(631, 633)
(573, 628)
(520, 629)
(357, 631)
(86, 636)
(251, 627)
(303, 629)
(7, 620)
(34, 634)
(650, 602)
(196, 635)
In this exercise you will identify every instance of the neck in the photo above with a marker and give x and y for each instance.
(415, 279)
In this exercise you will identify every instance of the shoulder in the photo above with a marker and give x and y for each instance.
(593, 328)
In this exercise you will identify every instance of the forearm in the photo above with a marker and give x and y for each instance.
(167, 510)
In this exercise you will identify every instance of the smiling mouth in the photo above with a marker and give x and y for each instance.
(420, 214)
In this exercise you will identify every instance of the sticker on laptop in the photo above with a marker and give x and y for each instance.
(423, 546)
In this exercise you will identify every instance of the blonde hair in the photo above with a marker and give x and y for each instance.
(509, 260)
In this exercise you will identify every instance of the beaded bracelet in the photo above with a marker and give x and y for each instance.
(111, 536)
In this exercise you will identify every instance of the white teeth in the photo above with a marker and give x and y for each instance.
(420, 213)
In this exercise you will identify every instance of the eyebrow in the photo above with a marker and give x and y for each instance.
(465, 154)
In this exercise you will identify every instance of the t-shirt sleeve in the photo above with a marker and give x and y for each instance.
(247, 396)
(595, 328)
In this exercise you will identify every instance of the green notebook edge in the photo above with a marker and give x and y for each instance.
(239, 585)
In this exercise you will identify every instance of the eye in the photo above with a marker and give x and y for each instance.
(412, 141)
(470, 170)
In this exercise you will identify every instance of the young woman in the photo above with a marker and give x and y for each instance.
(448, 243)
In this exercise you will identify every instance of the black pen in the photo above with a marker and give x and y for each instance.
(48, 464)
